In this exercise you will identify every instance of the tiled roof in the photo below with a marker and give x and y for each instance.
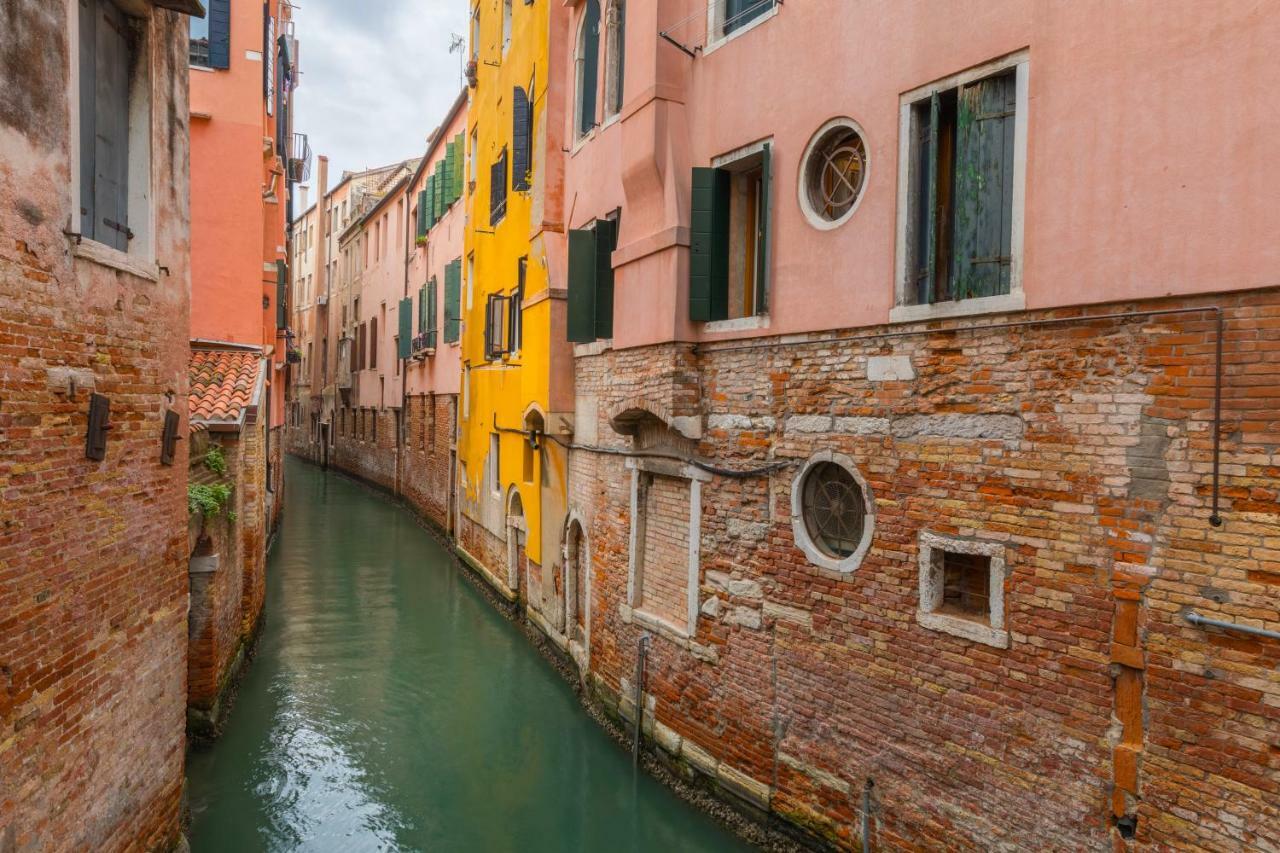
(223, 383)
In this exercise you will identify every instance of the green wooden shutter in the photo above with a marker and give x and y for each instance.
(422, 310)
(452, 301)
(447, 173)
(437, 194)
(582, 286)
(431, 313)
(982, 256)
(590, 67)
(765, 237)
(709, 245)
(429, 199)
(404, 346)
(520, 109)
(422, 213)
(606, 242)
(282, 293)
(460, 144)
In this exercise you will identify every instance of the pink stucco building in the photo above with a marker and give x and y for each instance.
(900, 427)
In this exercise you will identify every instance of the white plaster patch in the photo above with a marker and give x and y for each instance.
(862, 426)
(746, 617)
(808, 423)
(890, 368)
(1007, 427)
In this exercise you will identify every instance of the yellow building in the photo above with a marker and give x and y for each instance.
(517, 373)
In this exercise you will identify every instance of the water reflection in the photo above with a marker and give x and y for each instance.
(389, 708)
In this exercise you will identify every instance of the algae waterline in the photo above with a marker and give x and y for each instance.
(389, 707)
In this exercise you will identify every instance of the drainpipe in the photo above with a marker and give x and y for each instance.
(409, 245)
(1203, 621)
(642, 653)
(866, 814)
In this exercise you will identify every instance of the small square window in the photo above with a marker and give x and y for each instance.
(962, 588)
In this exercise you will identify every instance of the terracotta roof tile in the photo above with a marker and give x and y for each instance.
(222, 383)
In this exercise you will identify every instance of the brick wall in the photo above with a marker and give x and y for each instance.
(1085, 451)
(664, 575)
(93, 589)
(426, 459)
(227, 597)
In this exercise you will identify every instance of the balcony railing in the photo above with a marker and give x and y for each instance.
(299, 158)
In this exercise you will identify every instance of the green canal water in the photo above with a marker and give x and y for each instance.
(391, 708)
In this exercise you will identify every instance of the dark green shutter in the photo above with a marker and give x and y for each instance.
(765, 237)
(582, 286)
(981, 260)
(422, 213)
(219, 33)
(422, 310)
(459, 143)
(447, 174)
(431, 313)
(437, 208)
(590, 67)
(282, 293)
(709, 245)
(452, 301)
(429, 199)
(404, 346)
(520, 110)
(606, 242)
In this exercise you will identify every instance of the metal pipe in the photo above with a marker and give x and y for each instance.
(1214, 518)
(642, 652)
(1203, 621)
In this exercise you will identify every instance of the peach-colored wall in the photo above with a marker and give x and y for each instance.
(439, 373)
(229, 257)
(1149, 128)
(381, 287)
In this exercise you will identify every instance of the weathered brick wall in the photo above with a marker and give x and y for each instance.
(664, 577)
(251, 519)
(215, 620)
(1084, 451)
(425, 461)
(93, 583)
(367, 451)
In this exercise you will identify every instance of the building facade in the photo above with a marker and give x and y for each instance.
(245, 160)
(517, 384)
(94, 289)
(903, 453)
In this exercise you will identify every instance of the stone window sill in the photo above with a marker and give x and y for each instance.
(738, 324)
(665, 629)
(958, 308)
(98, 253)
(593, 348)
(715, 44)
(968, 629)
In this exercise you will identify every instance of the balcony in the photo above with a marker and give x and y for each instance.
(299, 158)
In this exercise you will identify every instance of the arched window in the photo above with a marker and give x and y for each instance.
(615, 55)
(587, 60)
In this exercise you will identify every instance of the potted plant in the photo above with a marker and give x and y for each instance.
(293, 356)
(470, 73)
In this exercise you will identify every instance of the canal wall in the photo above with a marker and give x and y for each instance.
(1072, 464)
(93, 583)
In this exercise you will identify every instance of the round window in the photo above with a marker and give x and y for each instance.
(834, 509)
(834, 173)
(831, 512)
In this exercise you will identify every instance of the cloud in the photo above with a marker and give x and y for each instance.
(377, 77)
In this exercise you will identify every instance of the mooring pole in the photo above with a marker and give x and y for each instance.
(642, 651)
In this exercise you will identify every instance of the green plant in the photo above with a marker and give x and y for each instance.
(210, 500)
(215, 461)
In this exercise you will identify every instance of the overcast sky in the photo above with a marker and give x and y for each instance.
(377, 77)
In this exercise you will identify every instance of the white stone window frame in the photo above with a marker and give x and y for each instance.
(931, 589)
(905, 311)
(612, 25)
(641, 467)
(581, 653)
(814, 218)
(140, 259)
(716, 37)
(800, 531)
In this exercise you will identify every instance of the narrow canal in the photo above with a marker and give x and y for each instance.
(391, 708)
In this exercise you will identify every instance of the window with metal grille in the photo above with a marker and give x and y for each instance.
(834, 509)
(834, 172)
(966, 584)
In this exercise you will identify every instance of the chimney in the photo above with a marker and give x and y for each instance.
(304, 191)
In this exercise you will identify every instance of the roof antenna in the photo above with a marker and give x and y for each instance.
(458, 45)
